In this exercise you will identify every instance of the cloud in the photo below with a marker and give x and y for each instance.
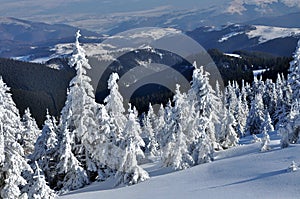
(238, 6)
(291, 3)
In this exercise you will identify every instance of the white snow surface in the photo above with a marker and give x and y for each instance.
(267, 33)
(233, 55)
(240, 172)
(259, 72)
(228, 36)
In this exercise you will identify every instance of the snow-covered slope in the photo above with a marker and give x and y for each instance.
(267, 33)
(234, 37)
(241, 172)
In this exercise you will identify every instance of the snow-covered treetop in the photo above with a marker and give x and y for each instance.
(3, 86)
(78, 58)
(112, 82)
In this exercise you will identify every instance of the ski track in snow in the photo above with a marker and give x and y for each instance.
(240, 172)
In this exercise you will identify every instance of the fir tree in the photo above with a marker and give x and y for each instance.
(114, 107)
(39, 188)
(231, 137)
(129, 172)
(45, 149)
(294, 75)
(267, 123)
(175, 152)
(30, 132)
(79, 112)
(13, 162)
(255, 116)
(74, 176)
(151, 148)
(205, 102)
(265, 145)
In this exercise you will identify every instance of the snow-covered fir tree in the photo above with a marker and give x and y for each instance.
(267, 122)
(205, 102)
(241, 113)
(294, 75)
(79, 112)
(255, 116)
(284, 101)
(13, 162)
(203, 149)
(270, 98)
(103, 145)
(73, 176)
(293, 124)
(115, 108)
(129, 172)
(30, 132)
(45, 149)
(39, 189)
(159, 124)
(231, 137)
(148, 133)
(175, 152)
(265, 145)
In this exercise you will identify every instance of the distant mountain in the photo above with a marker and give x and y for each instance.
(36, 86)
(274, 40)
(288, 21)
(21, 37)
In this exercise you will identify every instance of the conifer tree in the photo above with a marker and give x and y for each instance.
(74, 176)
(79, 112)
(114, 107)
(129, 172)
(267, 123)
(45, 149)
(29, 133)
(231, 137)
(294, 75)
(205, 102)
(265, 145)
(175, 153)
(13, 162)
(159, 124)
(151, 148)
(39, 188)
(255, 116)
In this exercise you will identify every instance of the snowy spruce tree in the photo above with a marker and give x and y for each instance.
(129, 172)
(39, 189)
(231, 137)
(12, 157)
(206, 104)
(79, 112)
(148, 133)
(45, 149)
(175, 152)
(115, 108)
(284, 101)
(265, 145)
(294, 75)
(255, 116)
(103, 145)
(267, 123)
(30, 132)
(73, 176)
(159, 124)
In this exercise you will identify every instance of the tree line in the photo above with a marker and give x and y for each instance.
(94, 141)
